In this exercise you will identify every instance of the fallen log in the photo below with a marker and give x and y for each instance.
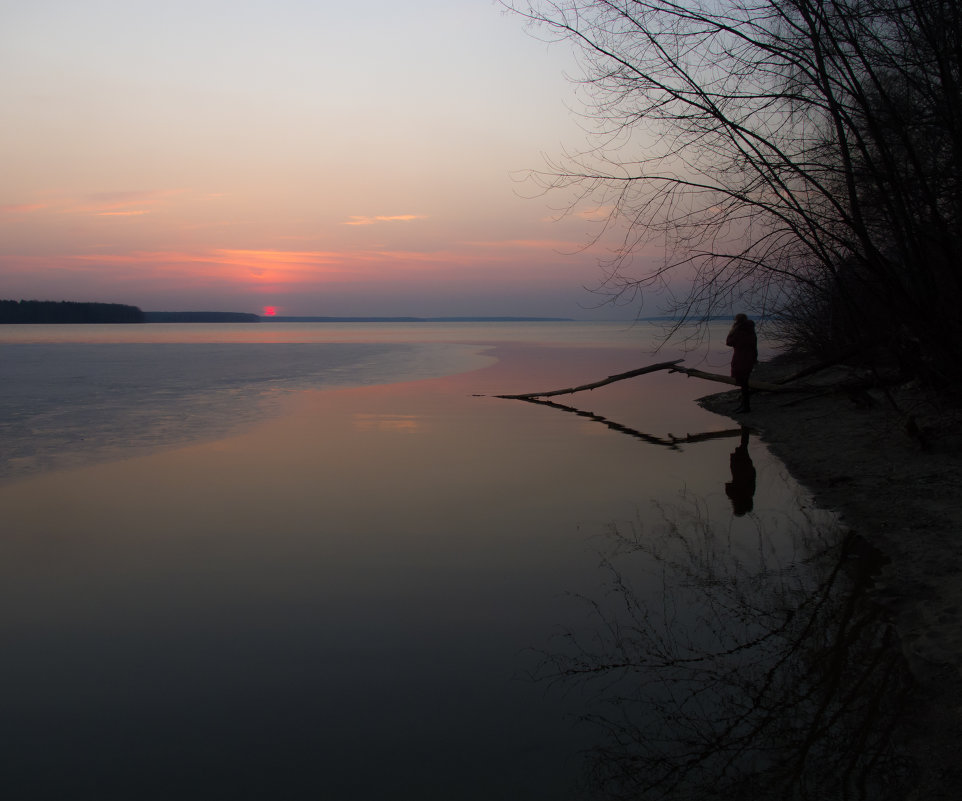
(672, 367)
(817, 368)
(763, 386)
(709, 435)
(651, 368)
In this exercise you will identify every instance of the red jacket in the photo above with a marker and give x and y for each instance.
(742, 338)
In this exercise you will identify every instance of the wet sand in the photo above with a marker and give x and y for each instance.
(895, 477)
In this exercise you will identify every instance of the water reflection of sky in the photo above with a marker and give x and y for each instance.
(345, 601)
(69, 403)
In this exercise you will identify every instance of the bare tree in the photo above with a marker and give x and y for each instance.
(776, 147)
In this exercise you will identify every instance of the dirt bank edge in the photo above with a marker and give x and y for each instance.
(890, 465)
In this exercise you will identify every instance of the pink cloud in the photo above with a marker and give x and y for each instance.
(22, 208)
(527, 244)
(362, 220)
(122, 204)
(233, 266)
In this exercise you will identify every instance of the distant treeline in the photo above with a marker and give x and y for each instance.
(200, 317)
(416, 319)
(50, 311)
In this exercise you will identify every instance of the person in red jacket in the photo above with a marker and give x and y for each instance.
(744, 342)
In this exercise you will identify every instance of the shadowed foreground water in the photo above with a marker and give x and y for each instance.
(713, 673)
(356, 599)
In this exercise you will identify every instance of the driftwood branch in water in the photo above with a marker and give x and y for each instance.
(651, 368)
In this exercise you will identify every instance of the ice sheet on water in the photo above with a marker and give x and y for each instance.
(67, 403)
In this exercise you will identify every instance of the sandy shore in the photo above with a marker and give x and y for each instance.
(894, 475)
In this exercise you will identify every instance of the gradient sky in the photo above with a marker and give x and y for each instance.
(319, 157)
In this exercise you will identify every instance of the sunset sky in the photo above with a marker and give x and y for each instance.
(318, 157)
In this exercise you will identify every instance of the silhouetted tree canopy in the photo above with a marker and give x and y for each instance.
(802, 156)
(46, 311)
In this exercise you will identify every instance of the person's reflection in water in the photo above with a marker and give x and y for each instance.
(741, 489)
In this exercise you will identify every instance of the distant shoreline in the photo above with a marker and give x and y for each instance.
(43, 312)
(46, 312)
(236, 317)
(278, 319)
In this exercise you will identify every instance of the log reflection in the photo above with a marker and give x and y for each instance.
(671, 441)
(717, 676)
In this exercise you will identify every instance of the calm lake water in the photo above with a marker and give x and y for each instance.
(322, 561)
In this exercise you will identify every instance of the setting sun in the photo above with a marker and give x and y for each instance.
(270, 311)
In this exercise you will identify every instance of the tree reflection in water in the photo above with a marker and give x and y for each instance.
(715, 676)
